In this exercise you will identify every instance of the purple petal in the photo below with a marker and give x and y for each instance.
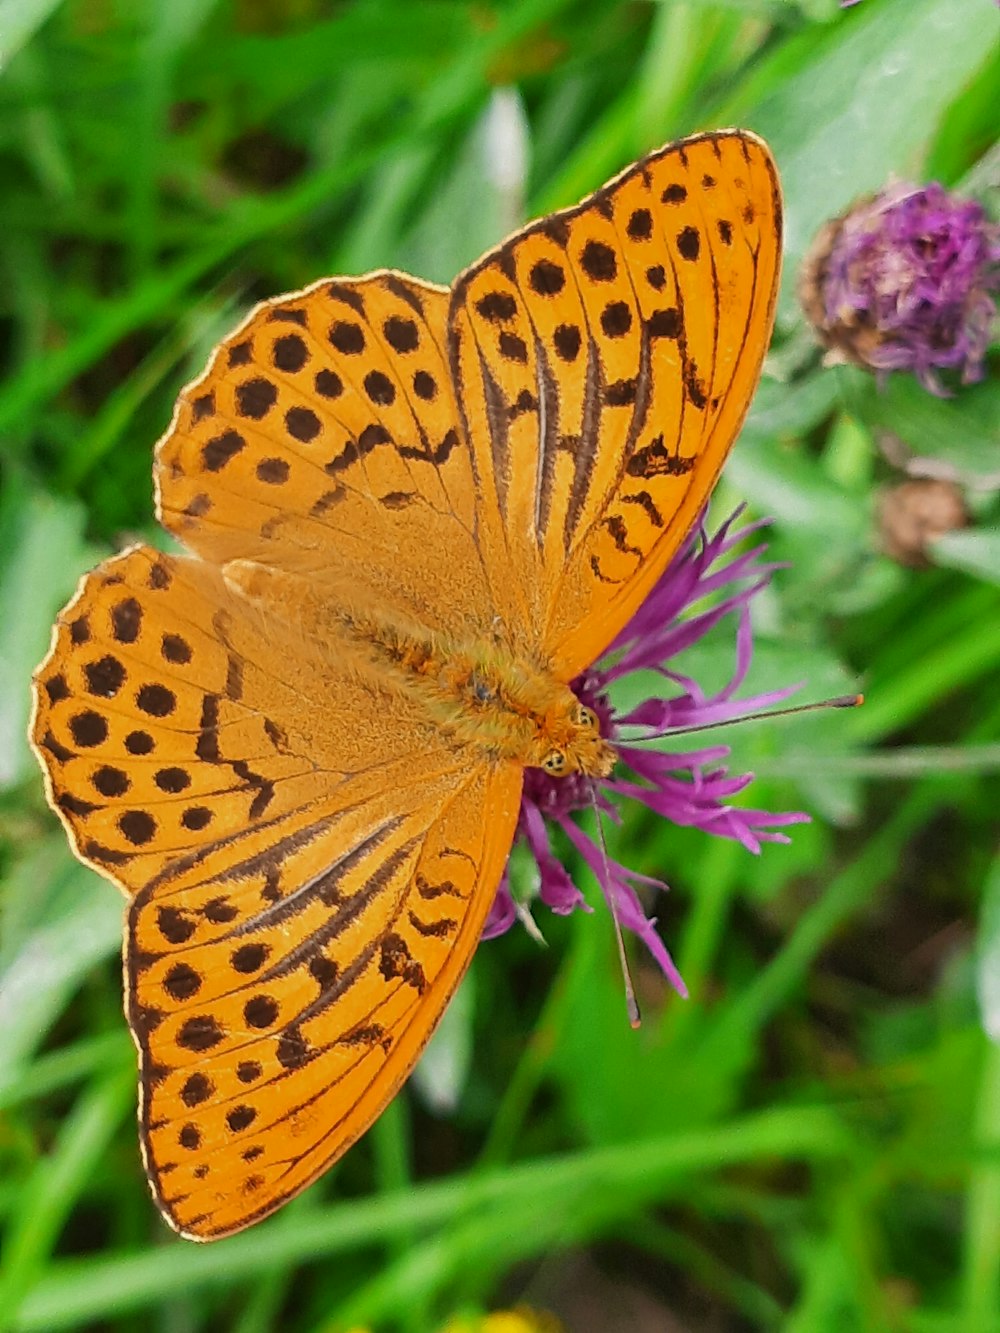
(502, 914)
(556, 889)
(688, 787)
(623, 901)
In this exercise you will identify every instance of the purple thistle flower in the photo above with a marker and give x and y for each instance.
(687, 787)
(903, 282)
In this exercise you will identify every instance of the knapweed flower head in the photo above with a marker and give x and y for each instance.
(707, 580)
(904, 281)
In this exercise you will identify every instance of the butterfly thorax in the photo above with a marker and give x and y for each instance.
(477, 689)
(485, 695)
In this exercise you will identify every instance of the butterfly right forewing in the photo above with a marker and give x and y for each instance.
(604, 359)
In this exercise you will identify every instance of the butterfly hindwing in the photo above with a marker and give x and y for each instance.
(279, 1004)
(604, 359)
(172, 715)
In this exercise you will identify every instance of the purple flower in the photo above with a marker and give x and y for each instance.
(706, 581)
(903, 282)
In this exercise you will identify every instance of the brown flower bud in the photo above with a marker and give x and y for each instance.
(914, 513)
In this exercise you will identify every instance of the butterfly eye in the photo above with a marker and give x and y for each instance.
(481, 691)
(554, 763)
(586, 717)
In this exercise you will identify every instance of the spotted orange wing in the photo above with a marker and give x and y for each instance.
(604, 359)
(311, 864)
(324, 440)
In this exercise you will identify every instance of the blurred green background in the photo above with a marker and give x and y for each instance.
(812, 1141)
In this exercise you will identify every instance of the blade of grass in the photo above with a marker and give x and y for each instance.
(53, 1189)
(391, 1144)
(959, 662)
(456, 91)
(60, 1068)
(981, 1259)
(902, 762)
(75, 1291)
(536, 1223)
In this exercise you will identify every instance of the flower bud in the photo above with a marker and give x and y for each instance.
(916, 512)
(903, 281)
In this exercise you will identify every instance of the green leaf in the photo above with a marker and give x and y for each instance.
(988, 954)
(977, 552)
(962, 433)
(82, 928)
(46, 554)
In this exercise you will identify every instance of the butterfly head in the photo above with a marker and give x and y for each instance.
(570, 741)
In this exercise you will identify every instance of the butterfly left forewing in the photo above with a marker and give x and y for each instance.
(604, 359)
(269, 1040)
(323, 440)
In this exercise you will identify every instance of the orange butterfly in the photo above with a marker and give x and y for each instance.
(417, 513)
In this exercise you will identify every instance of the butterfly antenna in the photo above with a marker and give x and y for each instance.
(841, 701)
(631, 1004)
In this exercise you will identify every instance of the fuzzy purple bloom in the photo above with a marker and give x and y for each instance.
(692, 787)
(904, 281)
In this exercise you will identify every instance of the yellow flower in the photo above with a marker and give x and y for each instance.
(521, 1320)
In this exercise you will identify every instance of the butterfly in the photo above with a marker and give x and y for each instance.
(414, 515)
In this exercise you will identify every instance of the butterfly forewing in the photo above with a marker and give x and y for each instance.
(323, 440)
(604, 359)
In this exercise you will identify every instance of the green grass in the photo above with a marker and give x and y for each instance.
(812, 1141)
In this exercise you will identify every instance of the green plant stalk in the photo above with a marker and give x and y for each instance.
(530, 1070)
(981, 1260)
(843, 895)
